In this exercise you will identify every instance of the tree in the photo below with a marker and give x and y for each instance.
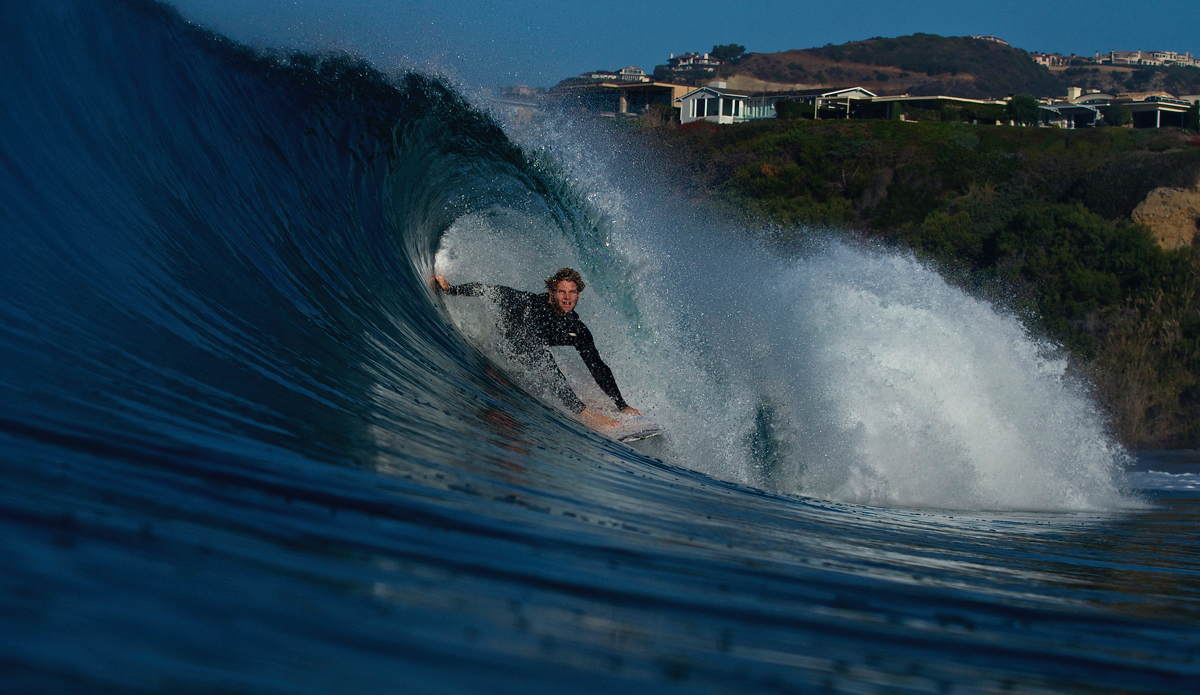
(790, 110)
(1118, 114)
(729, 53)
(1192, 120)
(1024, 109)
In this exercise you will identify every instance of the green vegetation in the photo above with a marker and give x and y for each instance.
(1023, 110)
(1038, 217)
(1118, 115)
(728, 53)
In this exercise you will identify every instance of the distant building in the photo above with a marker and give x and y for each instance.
(1149, 109)
(989, 37)
(627, 74)
(693, 61)
(632, 74)
(689, 67)
(1068, 115)
(1057, 60)
(1050, 60)
(1147, 58)
(716, 104)
(844, 103)
(614, 97)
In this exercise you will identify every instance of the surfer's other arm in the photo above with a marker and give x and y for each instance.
(586, 347)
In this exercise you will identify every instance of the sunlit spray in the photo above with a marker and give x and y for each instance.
(847, 373)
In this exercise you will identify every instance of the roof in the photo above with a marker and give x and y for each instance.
(829, 93)
(715, 92)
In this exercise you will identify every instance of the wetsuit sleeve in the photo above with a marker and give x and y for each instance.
(471, 289)
(600, 371)
(507, 297)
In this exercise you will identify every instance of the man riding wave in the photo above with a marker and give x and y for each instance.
(533, 323)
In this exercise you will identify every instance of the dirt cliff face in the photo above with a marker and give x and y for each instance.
(1173, 214)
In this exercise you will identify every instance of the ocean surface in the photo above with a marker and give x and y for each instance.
(244, 448)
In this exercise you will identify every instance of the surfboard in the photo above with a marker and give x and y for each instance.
(634, 429)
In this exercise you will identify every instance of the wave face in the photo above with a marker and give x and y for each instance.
(245, 448)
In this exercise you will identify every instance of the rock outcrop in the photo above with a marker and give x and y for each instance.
(1173, 214)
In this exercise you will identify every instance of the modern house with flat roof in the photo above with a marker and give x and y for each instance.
(717, 104)
(617, 97)
(1067, 115)
(849, 102)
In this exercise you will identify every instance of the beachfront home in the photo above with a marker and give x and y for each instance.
(849, 102)
(715, 104)
(1068, 115)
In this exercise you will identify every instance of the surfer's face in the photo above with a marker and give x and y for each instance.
(564, 296)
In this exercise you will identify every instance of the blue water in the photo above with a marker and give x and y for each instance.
(245, 449)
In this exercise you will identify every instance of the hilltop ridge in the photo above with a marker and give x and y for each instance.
(928, 64)
(920, 64)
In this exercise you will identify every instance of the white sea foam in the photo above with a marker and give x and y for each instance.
(1160, 480)
(850, 373)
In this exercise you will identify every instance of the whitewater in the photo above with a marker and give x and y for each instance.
(245, 447)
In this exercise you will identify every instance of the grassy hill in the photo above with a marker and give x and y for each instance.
(927, 64)
(1117, 79)
(921, 64)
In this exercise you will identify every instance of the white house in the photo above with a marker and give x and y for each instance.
(632, 74)
(713, 103)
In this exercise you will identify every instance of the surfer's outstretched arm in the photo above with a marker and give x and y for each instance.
(470, 289)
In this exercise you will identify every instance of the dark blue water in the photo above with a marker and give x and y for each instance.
(244, 449)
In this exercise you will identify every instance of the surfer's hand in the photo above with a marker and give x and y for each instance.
(630, 410)
(596, 421)
(439, 283)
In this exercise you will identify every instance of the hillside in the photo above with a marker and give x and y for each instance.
(1177, 80)
(919, 64)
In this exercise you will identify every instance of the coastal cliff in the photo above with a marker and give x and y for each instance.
(1172, 214)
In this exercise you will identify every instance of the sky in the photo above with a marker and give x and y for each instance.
(492, 43)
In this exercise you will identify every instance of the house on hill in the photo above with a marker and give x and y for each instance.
(849, 102)
(626, 74)
(715, 104)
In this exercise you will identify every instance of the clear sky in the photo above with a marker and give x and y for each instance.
(492, 43)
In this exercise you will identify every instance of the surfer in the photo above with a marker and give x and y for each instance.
(531, 325)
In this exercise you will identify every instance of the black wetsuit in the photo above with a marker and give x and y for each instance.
(531, 326)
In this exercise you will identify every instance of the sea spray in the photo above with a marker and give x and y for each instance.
(848, 372)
